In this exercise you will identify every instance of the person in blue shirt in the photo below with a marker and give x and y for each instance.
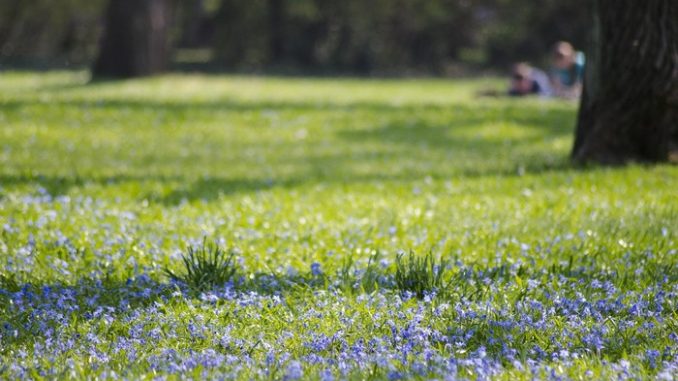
(567, 72)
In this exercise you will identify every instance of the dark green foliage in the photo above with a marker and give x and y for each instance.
(392, 36)
(317, 36)
(36, 32)
(206, 267)
(420, 274)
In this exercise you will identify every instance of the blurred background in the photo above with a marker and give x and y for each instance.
(310, 37)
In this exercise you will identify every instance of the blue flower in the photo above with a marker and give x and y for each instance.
(326, 375)
(294, 371)
(651, 355)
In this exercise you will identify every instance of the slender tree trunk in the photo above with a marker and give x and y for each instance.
(629, 107)
(192, 16)
(276, 22)
(135, 41)
(13, 12)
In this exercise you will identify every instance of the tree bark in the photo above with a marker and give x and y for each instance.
(135, 40)
(192, 17)
(276, 22)
(629, 106)
(12, 11)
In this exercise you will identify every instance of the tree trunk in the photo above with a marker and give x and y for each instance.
(11, 13)
(135, 41)
(192, 16)
(629, 106)
(276, 22)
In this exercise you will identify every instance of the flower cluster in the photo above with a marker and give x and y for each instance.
(83, 295)
(554, 327)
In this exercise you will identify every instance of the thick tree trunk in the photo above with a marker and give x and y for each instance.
(135, 41)
(629, 107)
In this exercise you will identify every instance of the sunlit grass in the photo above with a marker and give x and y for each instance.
(316, 185)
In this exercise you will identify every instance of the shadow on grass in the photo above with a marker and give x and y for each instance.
(212, 188)
(527, 113)
(411, 144)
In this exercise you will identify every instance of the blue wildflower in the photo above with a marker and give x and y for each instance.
(315, 269)
(294, 371)
(651, 355)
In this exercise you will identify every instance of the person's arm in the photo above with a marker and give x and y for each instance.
(576, 88)
(543, 82)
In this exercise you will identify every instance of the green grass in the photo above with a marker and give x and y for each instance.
(205, 267)
(420, 275)
(105, 182)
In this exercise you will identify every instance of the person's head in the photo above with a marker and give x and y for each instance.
(563, 55)
(521, 78)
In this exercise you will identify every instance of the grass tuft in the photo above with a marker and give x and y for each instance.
(357, 281)
(420, 275)
(205, 267)
(9, 282)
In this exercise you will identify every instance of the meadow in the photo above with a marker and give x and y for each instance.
(371, 229)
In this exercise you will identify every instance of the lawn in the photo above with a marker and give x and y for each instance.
(326, 195)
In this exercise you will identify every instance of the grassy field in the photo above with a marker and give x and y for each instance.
(536, 269)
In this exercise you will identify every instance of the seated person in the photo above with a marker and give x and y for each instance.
(567, 73)
(527, 80)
